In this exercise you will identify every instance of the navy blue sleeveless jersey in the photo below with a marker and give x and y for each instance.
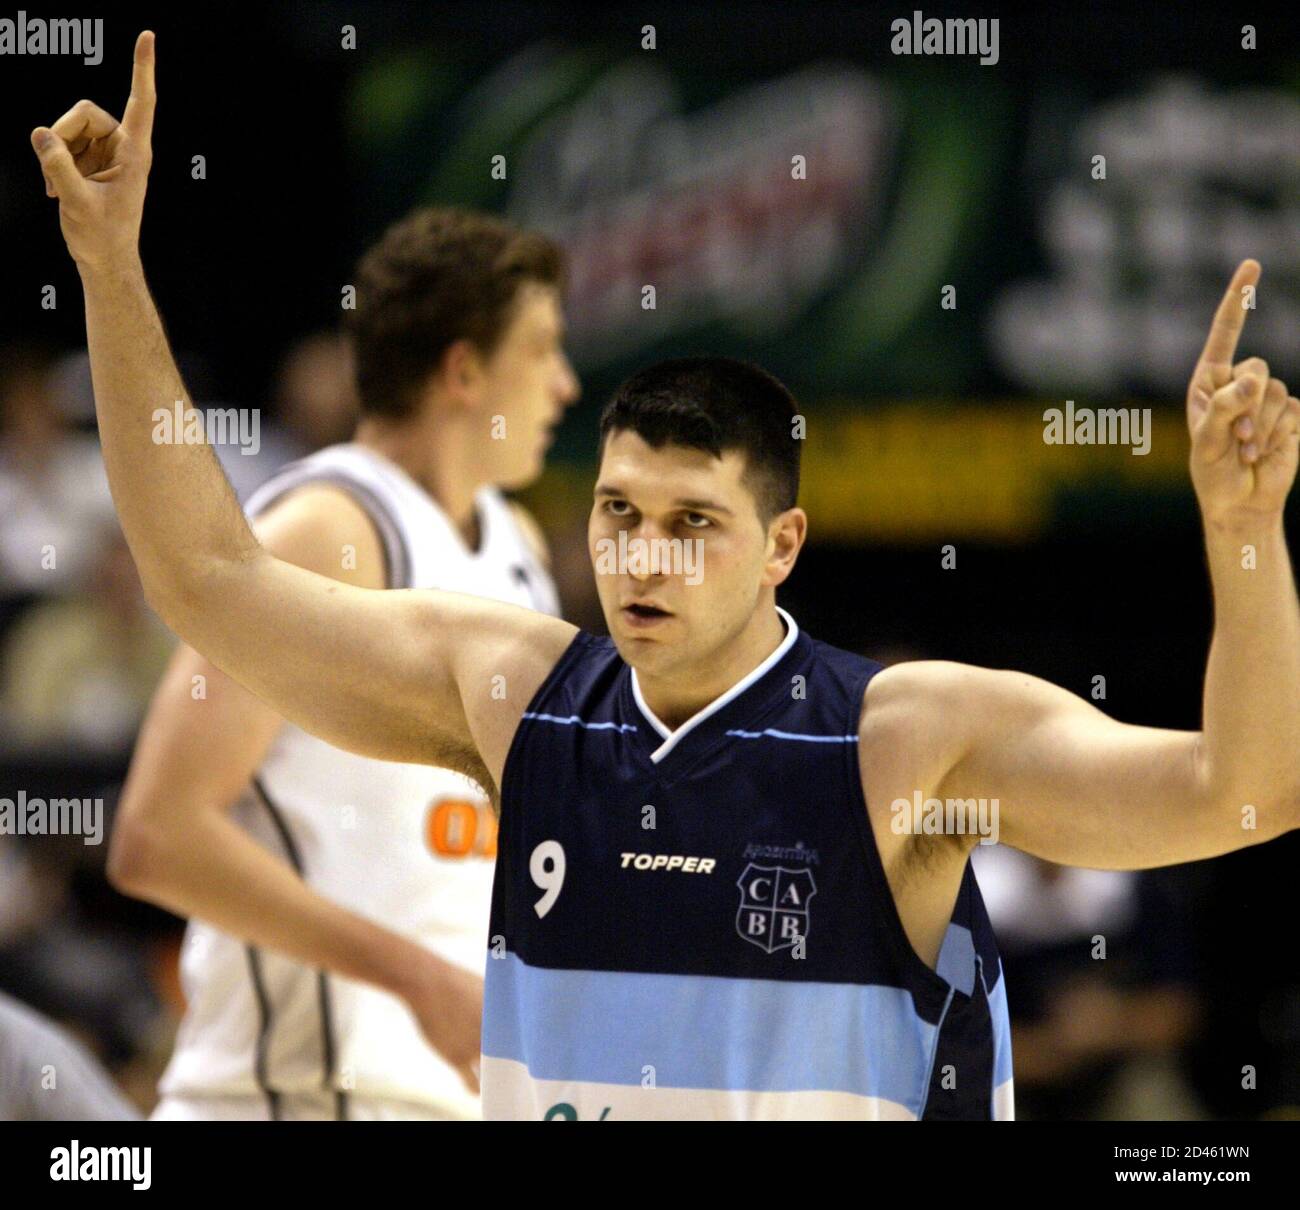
(696, 924)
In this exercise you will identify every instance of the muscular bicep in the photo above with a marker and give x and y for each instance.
(1075, 786)
(205, 735)
(396, 675)
(365, 670)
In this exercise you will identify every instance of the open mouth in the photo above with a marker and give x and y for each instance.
(644, 615)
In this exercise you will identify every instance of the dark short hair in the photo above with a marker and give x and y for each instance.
(716, 404)
(438, 276)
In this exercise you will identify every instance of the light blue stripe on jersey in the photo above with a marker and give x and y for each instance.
(700, 1031)
(574, 721)
(958, 965)
(957, 959)
(773, 733)
(997, 995)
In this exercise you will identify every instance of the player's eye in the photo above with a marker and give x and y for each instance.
(618, 508)
(697, 521)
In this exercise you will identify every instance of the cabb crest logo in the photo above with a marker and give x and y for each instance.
(773, 911)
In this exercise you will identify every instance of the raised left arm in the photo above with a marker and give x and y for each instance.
(1077, 787)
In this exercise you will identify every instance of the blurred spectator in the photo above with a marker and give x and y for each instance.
(53, 491)
(315, 392)
(1095, 1034)
(64, 956)
(27, 895)
(315, 405)
(81, 670)
(46, 1076)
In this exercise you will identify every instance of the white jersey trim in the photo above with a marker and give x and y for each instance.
(673, 738)
(511, 1093)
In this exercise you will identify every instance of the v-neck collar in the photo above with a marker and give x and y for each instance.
(671, 739)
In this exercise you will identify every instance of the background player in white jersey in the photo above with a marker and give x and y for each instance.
(339, 903)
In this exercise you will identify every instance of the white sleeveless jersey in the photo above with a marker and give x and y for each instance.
(408, 846)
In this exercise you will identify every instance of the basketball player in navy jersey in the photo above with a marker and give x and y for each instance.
(704, 903)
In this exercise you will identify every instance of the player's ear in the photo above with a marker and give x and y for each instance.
(461, 372)
(786, 533)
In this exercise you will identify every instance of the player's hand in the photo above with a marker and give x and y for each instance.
(98, 168)
(1245, 426)
(448, 1003)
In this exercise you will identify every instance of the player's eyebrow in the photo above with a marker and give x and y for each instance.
(694, 504)
(703, 506)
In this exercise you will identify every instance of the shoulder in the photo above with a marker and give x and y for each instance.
(581, 666)
(962, 694)
(324, 528)
(919, 713)
(930, 713)
(925, 685)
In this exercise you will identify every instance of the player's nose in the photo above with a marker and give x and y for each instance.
(646, 571)
(567, 386)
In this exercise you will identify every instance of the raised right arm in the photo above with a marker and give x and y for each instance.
(395, 675)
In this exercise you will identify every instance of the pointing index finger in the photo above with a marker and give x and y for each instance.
(1230, 318)
(138, 119)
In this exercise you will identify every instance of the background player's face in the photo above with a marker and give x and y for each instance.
(527, 382)
(661, 622)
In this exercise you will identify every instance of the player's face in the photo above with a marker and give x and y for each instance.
(685, 577)
(528, 383)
